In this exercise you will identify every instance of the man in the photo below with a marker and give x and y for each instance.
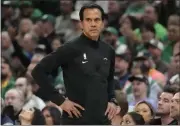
(30, 99)
(175, 109)
(150, 16)
(88, 67)
(15, 98)
(7, 78)
(163, 109)
(121, 66)
(156, 47)
(140, 89)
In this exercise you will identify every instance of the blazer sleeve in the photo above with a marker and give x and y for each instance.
(45, 67)
(111, 85)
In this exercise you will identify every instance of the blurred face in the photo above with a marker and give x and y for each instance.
(145, 111)
(173, 32)
(6, 41)
(28, 43)
(149, 15)
(76, 24)
(136, 68)
(127, 120)
(155, 52)
(56, 44)
(66, 6)
(176, 56)
(37, 29)
(110, 38)
(26, 116)
(92, 23)
(120, 65)
(175, 109)
(7, 11)
(5, 69)
(37, 58)
(48, 117)
(147, 35)
(125, 21)
(21, 84)
(13, 98)
(139, 88)
(113, 6)
(25, 26)
(164, 103)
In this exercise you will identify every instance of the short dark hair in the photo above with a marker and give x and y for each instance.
(91, 6)
(55, 113)
(148, 27)
(170, 89)
(38, 118)
(137, 118)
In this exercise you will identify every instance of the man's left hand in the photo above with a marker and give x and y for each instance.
(111, 110)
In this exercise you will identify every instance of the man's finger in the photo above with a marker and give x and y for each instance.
(70, 114)
(107, 110)
(110, 113)
(77, 111)
(79, 106)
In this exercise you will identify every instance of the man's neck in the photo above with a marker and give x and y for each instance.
(141, 97)
(94, 39)
(165, 120)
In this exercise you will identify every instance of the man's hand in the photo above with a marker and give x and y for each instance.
(71, 108)
(111, 110)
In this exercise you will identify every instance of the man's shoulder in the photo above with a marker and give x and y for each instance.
(107, 46)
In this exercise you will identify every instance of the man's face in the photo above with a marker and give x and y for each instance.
(176, 56)
(13, 98)
(113, 6)
(120, 65)
(6, 41)
(164, 103)
(66, 6)
(25, 25)
(5, 69)
(175, 109)
(149, 15)
(139, 88)
(173, 32)
(147, 35)
(28, 43)
(110, 38)
(21, 84)
(92, 23)
(155, 52)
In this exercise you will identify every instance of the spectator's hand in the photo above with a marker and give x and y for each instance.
(71, 108)
(111, 110)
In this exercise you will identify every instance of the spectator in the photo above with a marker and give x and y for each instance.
(75, 31)
(110, 36)
(25, 26)
(7, 78)
(56, 43)
(15, 98)
(121, 66)
(164, 108)
(146, 110)
(140, 88)
(30, 99)
(7, 47)
(133, 118)
(150, 16)
(31, 116)
(52, 115)
(63, 22)
(175, 110)
(142, 65)
(172, 37)
(156, 47)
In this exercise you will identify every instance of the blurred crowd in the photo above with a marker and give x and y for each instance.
(144, 33)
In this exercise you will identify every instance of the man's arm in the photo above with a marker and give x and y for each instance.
(111, 86)
(42, 70)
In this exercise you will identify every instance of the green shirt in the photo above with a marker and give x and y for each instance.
(7, 85)
(161, 31)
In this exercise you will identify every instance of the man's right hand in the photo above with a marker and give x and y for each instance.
(71, 108)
